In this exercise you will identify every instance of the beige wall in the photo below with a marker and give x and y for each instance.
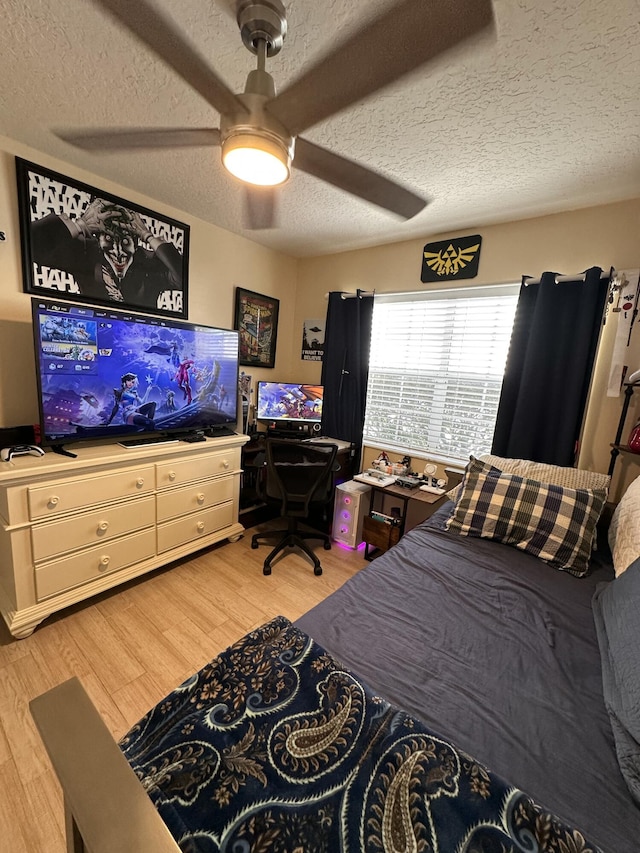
(218, 262)
(569, 242)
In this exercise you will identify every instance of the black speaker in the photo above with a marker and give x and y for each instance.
(18, 435)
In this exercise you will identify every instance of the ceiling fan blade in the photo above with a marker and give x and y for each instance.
(160, 34)
(260, 207)
(402, 39)
(356, 179)
(108, 139)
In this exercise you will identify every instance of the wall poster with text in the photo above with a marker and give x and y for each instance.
(84, 244)
(313, 340)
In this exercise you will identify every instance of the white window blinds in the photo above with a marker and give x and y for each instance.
(435, 370)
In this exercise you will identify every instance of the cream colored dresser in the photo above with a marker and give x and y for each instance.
(74, 527)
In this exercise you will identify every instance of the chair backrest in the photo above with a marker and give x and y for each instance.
(298, 474)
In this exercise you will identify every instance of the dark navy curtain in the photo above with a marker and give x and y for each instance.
(551, 357)
(345, 367)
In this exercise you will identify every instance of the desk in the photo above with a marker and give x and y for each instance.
(406, 495)
(253, 461)
(343, 457)
(381, 536)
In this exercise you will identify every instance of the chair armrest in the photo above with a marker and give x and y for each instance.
(107, 807)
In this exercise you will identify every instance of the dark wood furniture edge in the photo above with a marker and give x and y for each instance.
(454, 477)
(106, 807)
(378, 537)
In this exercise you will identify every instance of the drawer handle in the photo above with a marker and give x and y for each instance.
(103, 526)
(172, 475)
(200, 526)
(140, 482)
(53, 501)
(225, 463)
(200, 497)
(104, 561)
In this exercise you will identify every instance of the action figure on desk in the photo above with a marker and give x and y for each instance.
(382, 463)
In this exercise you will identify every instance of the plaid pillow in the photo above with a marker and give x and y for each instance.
(556, 524)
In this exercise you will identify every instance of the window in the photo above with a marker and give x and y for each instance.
(435, 370)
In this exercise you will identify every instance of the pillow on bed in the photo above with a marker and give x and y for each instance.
(624, 529)
(616, 612)
(556, 524)
(569, 478)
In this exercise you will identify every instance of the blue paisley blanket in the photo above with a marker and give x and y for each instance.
(274, 747)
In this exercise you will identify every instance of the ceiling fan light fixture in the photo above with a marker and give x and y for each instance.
(256, 159)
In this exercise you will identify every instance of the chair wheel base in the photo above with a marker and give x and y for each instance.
(254, 546)
(291, 539)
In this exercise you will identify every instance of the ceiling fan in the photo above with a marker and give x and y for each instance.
(259, 133)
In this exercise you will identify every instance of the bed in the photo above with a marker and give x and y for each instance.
(458, 694)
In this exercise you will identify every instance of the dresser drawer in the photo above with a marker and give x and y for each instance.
(190, 528)
(174, 502)
(90, 528)
(66, 495)
(197, 468)
(92, 563)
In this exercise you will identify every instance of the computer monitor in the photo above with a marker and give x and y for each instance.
(288, 402)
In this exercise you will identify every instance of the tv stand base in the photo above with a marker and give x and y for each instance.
(58, 448)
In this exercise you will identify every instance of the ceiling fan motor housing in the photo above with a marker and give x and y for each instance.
(262, 20)
(255, 125)
(257, 120)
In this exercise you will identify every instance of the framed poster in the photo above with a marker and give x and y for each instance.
(81, 243)
(256, 319)
(313, 340)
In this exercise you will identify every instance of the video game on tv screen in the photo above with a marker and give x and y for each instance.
(109, 373)
(285, 401)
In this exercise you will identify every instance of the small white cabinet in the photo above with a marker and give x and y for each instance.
(73, 527)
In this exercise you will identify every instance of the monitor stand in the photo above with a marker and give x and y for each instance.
(294, 429)
(219, 431)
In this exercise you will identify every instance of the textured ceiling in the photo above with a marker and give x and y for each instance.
(543, 117)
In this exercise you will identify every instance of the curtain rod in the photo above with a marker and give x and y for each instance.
(413, 293)
(580, 276)
(526, 280)
(354, 295)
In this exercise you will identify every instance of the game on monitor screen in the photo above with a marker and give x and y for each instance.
(285, 401)
(104, 373)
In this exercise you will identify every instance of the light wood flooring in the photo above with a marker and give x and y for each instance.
(132, 646)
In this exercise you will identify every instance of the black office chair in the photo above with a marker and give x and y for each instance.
(299, 477)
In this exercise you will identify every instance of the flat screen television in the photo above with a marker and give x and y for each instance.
(103, 373)
(286, 401)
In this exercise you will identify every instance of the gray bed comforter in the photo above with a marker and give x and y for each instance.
(497, 652)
